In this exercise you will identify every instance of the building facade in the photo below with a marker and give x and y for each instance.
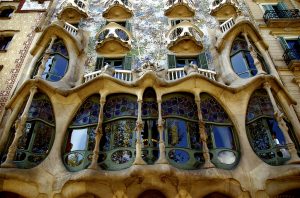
(126, 98)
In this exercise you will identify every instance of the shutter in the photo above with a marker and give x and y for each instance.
(283, 43)
(128, 26)
(202, 61)
(171, 61)
(127, 61)
(282, 6)
(99, 63)
(267, 7)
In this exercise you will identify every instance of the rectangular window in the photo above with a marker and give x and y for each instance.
(4, 42)
(179, 62)
(6, 13)
(118, 63)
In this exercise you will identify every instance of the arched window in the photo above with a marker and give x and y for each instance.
(38, 135)
(150, 132)
(241, 60)
(80, 141)
(264, 134)
(117, 146)
(216, 195)
(57, 64)
(183, 146)
(222, 141)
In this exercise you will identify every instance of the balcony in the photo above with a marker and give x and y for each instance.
(292, 59)
(224, 8)
(113, 39)
(172, 74)
(73, 10)
(185, 38)
(117, 9)
(282, 18)
(180, 8)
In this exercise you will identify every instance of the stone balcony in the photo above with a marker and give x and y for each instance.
(282, 18)
(168, 75)
(180, 8)
(73, 10)
(185, 38)
(113, 39)
(292, 59)
(117, 9)
(223, 7)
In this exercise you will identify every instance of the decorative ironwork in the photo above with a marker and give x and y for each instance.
(291, 54)
(279, 14)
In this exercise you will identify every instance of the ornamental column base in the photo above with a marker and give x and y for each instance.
(294, 156)
(162, 154)
(8, 165)
(138, 158)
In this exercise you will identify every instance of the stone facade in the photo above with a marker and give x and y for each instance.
(154, 91)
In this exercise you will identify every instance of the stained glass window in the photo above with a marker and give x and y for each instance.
(264, 133)
(182, 138)
(117, 146)
(221, 139)
(57, 64)
(39, 130)
(80, 141)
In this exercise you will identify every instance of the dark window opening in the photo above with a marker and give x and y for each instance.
(4, 42)
(6, 12)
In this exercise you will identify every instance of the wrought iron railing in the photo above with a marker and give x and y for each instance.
(80, 4)
(170, 3)
(281, 14)
(291, 54)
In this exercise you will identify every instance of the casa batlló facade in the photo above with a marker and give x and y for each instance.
(141, 99)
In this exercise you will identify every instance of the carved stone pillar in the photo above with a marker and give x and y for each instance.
(139, 127)
(278, 115)
(254, 55)
(46, 57)
(162, 148)
(20, 124)
(203, 136)
(99, 134)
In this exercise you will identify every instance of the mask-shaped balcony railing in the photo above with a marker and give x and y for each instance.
(114, 32)
(218, 4)
(79, 5)
(180, 8)
(184, 30)
(282, 18)
(117, 9)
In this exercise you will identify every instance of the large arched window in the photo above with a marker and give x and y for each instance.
(57, 64)
(38, 135)
(150, 132)
(183, 147)
(80, 141)
(222, 141)
(264, 134)
(241, 60)
(117, 146)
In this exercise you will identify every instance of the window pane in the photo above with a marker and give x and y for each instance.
(79, 139)
(250, 61)
(223, 137)
(58, 68)
(118, 64)
(26, 137)
(239, 65)
(177, 133)
(259, 137)
(42, 138)
(180, 63)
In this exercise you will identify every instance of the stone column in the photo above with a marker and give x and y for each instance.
(162, 148)
(20, 124)
(99, 134)
(278, 115)
(139, 127)
(46, 57)
(203, 135)
(254, 55)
